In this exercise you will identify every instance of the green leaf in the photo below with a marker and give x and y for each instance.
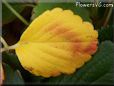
(41, 7)
(99, 66)
(11, 59)
(107, 79)
(7, 15)
(12, 77)
(106, 33)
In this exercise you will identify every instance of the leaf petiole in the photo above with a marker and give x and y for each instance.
(3, 42)
(6, 46)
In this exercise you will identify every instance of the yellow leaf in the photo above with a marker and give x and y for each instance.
(56, 42)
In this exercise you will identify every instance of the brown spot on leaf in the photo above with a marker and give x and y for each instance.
(91, 48)
(29, 68)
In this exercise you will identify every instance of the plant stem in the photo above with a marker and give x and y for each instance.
(108, 17)
(15, 12)
(6, 46)
(3, 42)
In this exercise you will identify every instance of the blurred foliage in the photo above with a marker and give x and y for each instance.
(97, 71)
(7, 15)
(106, 33)
(12, 31)
(11, 59)
(12, 77)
